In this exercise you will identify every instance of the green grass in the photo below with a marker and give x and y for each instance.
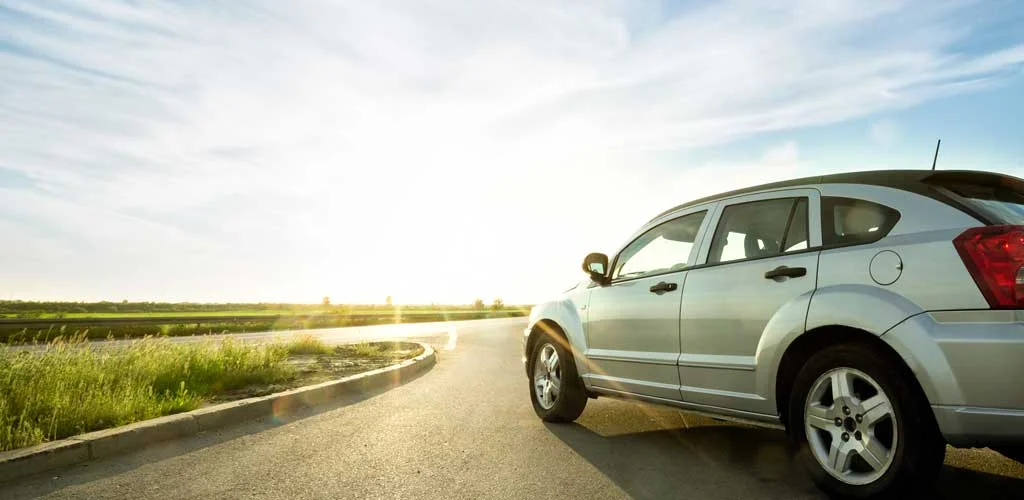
(28, 309)
(228, 314)
(367, 350)
(373, 350)
(159, 314)
(69, 388)
(308, 344)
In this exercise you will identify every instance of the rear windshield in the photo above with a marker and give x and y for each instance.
(1002, 201)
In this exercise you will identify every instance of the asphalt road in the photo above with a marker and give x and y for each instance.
(465, 429)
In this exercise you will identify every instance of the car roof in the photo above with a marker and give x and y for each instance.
(921, 182)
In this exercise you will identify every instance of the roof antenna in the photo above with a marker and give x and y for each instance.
(936, 153)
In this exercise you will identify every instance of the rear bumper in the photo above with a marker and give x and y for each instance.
(973, 426)
(971, 367)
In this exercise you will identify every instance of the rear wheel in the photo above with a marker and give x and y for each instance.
(556, 390)
(861, 428)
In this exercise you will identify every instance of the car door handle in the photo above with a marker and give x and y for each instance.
(663, 287)
(786, 272)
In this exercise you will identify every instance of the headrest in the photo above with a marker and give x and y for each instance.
(858, 219)
(751, 247)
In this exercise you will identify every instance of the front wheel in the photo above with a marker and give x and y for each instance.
(556, 390)
(861, 428)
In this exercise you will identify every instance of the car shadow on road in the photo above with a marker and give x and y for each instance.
(720, 461)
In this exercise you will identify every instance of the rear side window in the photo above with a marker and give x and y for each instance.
(760, 229)
(849, 221)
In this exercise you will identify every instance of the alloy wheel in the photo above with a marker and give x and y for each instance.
(850, 426)
(547, 376)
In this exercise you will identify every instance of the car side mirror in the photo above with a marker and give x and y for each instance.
(596, 265)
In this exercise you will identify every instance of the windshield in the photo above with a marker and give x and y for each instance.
(1000, 200)
(1009, 212)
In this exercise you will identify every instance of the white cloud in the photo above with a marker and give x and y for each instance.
(441, 150)
(784, 154)
(884, 132)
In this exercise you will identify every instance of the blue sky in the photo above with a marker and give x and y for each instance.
(456, 149)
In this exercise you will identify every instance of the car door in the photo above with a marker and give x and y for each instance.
(759, 262)
(632, 325)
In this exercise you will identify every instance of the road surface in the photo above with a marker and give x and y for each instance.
(465, 429)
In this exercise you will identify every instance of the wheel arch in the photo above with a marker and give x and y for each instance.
(832, 309)
(560, 319)
(813, 341)
(538, 329)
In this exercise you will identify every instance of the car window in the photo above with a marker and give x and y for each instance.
(1003, 202)
(796, 236)
(847, 221)
(760, 229)
(664, 248)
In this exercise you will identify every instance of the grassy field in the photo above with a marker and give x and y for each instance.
(9, 334)
(286, 317)
(70, 388)
(247, 312)
(152, 314)
(29, 309)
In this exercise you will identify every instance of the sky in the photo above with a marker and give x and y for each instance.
(450, 150)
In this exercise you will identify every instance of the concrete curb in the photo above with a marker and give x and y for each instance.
(110, 442)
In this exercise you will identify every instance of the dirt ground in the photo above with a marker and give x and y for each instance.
(344, 361)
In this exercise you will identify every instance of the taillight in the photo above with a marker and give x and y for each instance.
(994, 255)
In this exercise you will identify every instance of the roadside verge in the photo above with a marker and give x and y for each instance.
(110, 442)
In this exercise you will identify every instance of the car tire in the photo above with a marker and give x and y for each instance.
(556, 389)
(877, 439)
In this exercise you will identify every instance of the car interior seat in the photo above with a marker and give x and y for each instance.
(857, 222)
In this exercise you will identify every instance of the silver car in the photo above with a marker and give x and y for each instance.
(875, 316)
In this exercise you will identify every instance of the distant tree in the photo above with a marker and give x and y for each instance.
(478, 304)
(388, 301)
(498, 304)
(327, 300)
(125, 301)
